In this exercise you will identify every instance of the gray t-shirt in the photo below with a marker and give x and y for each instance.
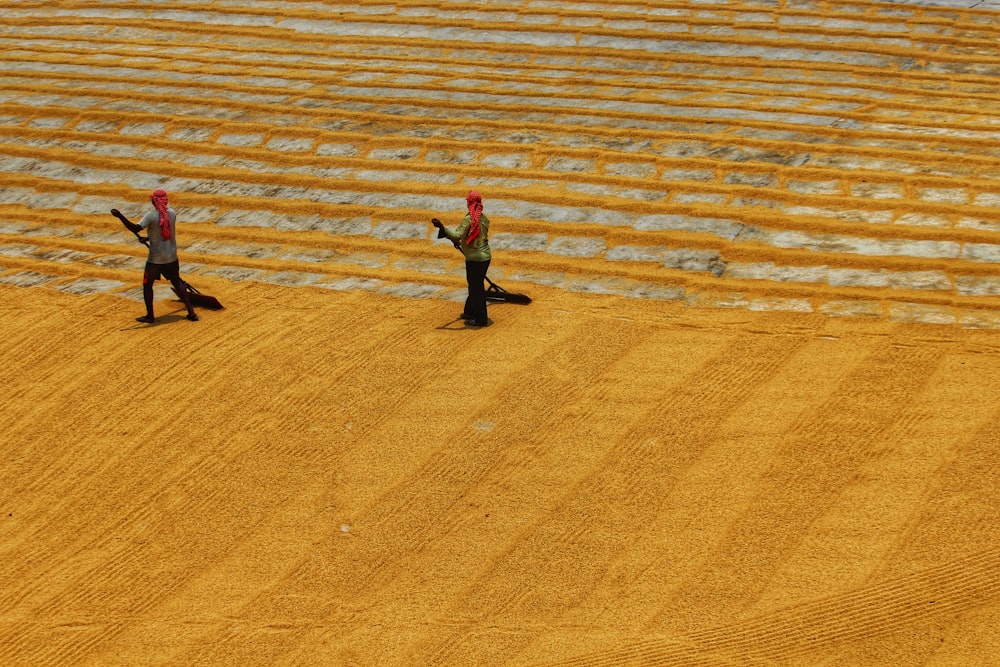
(160, 251)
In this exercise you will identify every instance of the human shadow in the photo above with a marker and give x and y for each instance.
(176, 316)
(459, 324)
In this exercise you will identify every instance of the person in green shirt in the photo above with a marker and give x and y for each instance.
(472, 238)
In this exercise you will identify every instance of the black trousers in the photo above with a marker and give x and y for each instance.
(171, 272)
(475, 304)
(154, 272)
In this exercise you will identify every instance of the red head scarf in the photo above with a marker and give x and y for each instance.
(475, 203)
(159, 199)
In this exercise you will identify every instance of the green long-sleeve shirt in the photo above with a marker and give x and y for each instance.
(479, 249)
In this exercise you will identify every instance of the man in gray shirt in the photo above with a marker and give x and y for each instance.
(160, 225)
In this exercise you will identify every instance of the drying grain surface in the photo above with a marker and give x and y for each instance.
(751, 416)
(308, 479)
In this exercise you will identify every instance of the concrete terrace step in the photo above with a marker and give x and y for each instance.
(705, 152)
(827, 191)
(327, 266)
(748, 99)
(947, 207)
(902, 310)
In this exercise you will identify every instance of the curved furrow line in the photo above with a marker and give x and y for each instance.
(712, 468)
(844, 617)
(852, 428)
(959, 498)
(208, 465)
(36, 641)
(332, 475)
(452, 466)
(95, 586)
(585, 517)
(427, 501)
(809, 628)
(347, 366)
(534, 446)
(963, 584)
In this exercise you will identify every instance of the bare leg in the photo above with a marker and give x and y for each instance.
(147, 297)
(185, 297)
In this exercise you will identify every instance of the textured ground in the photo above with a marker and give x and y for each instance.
(750, 418)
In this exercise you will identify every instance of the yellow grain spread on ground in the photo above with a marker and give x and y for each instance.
(751, 416)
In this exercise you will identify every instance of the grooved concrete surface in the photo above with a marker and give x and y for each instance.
(749, 418)
(711, 152)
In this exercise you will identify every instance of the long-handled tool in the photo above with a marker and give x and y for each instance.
(494, 292)
(197, 298)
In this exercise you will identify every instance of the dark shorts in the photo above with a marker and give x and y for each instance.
(154, 272)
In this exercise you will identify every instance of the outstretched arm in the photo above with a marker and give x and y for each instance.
(453, 235)
(445, 233)
(129, 225)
